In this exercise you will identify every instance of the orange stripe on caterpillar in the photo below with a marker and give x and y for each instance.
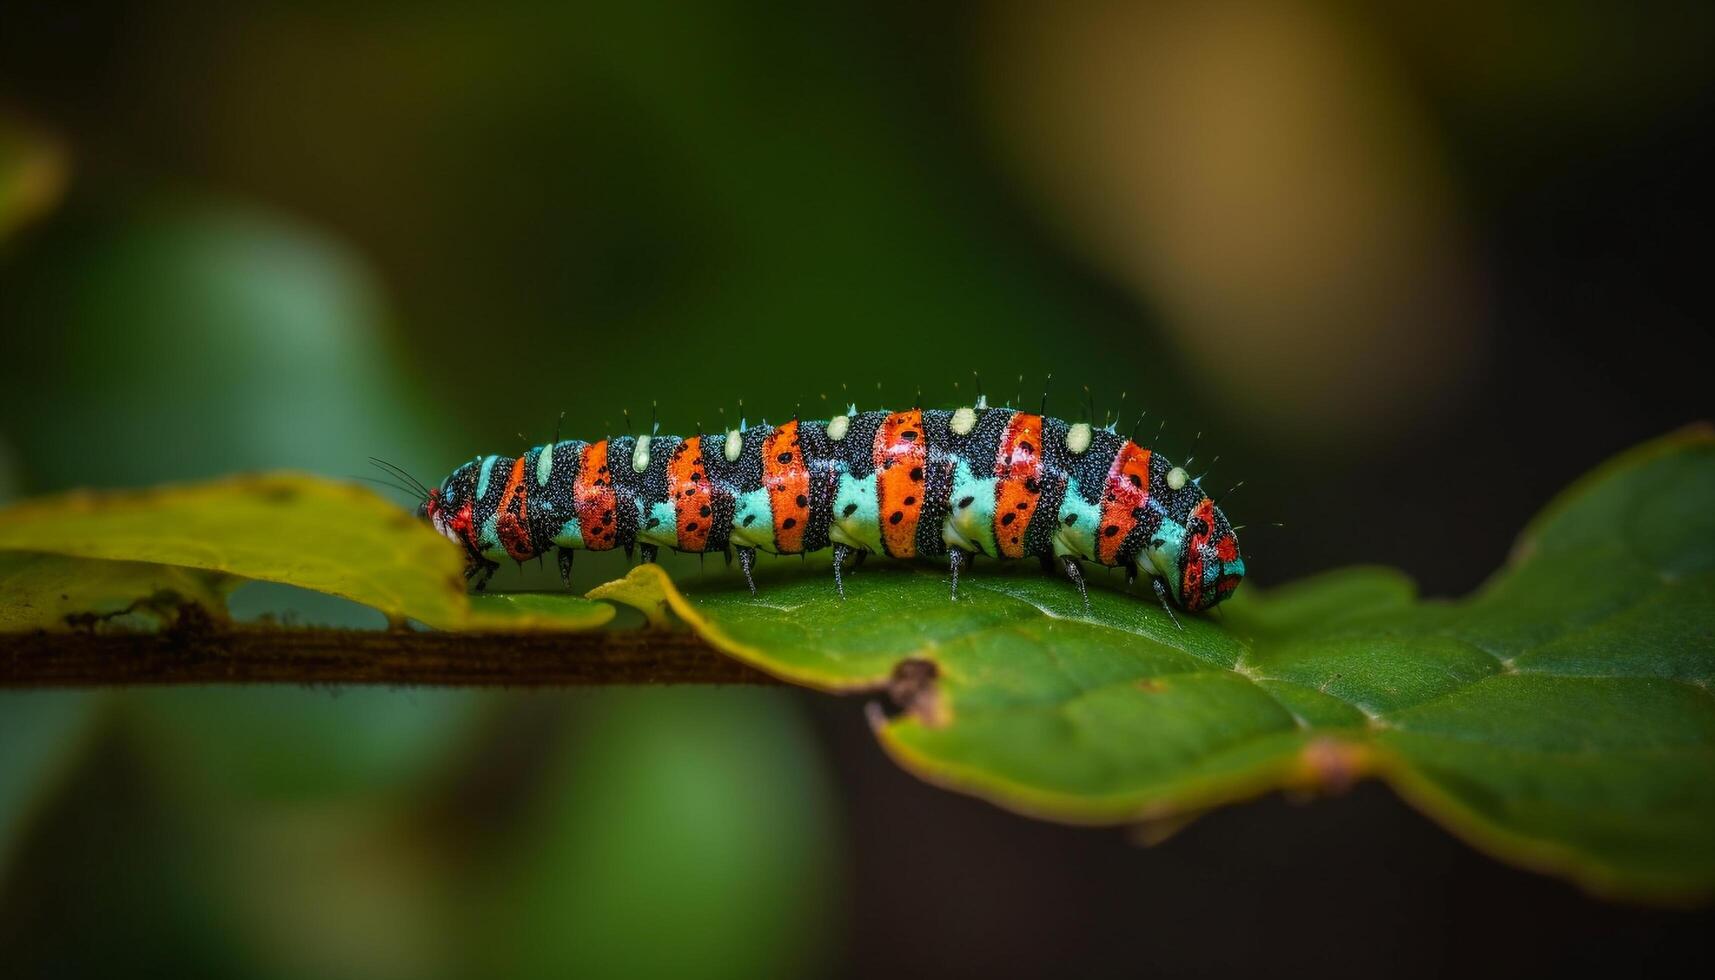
(512, 519)
(899, 455)
(787, 480)
(596, 500)
(1018, 465)
(688, 485)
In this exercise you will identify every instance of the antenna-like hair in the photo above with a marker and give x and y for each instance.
(399, 472)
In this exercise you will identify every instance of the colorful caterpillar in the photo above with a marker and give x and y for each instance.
(975, 481)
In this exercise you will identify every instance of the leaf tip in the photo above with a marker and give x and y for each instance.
(645, 588)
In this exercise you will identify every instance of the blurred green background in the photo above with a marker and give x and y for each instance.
(1404, 270)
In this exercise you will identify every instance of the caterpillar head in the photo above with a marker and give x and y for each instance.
(451, 507)
(1198, 557)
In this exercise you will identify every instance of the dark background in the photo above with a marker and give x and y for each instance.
(1407, 272)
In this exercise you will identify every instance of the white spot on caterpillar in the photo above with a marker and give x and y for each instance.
(1177, 478)
(837, 427)
(545, 465)
(640, 454)
(982, 402)
(1078, 438)
(963, 421)
(734, 445)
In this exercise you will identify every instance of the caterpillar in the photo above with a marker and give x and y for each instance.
(919, 483)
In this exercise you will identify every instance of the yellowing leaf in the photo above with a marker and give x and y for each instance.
(183, 540)
(54, 592)
(646, 588)
(278, 527)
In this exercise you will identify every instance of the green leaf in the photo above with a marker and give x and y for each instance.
(502, 612)
(1560, 718)
(186, 543)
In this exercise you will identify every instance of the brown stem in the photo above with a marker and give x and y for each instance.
(258, 655)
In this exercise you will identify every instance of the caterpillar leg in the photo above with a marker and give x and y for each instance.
(646, 552)
(566, 566)
(479, 571)
(1161, 593)
(1075, 572)
(956, 557)
(840, 553)
(747, 558)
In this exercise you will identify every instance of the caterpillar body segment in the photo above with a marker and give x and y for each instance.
(910, 484)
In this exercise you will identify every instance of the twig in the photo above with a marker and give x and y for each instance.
(262, 655)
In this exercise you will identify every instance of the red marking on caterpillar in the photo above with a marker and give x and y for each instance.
(512, 523)
(1124, 499)
(693, 498)
(596, 502)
